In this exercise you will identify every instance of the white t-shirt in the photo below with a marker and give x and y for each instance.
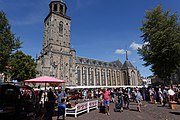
(171, 92)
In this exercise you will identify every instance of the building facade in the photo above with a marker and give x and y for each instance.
(58, 59)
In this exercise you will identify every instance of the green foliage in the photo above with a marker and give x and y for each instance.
(161, 37)
(8, 42)
(22, 66)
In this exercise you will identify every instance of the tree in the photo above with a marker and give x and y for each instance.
(161, 37)
(8, 42)
(22, 66)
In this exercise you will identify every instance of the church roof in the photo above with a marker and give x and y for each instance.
(127, 64)
(89, 61)
(117, 63)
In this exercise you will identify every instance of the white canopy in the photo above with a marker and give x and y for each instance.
(123, 86)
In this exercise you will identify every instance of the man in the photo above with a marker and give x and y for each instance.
(119, 101)
(61, 95)
(165, 96)
(160, 93)
(126, 98)
(106, 97)
(171, 94)
(51, 102)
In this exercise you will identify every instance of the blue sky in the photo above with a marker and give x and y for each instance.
(100, 29)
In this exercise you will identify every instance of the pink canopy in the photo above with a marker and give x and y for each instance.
(45, 79)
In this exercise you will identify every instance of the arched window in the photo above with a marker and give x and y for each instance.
(55, 7)
(133, 78)
(78, 76)
(125, 78)
(92, 76)
(61, 27)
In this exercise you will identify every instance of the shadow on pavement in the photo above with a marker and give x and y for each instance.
(161, 106)
(175, 113)
(134, 110)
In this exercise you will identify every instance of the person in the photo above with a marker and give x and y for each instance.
(112, 95)
(138, 99)
(61, 109)
(126, 98)
(160, 93)
(165, 96)
(101, 106)
(68, 103)
(92, 94)
(151, 94)
(119, 101)
(61, 95)
(171, 94)
(154, 96)
(51, 102)
(106, 98)
(85, 94)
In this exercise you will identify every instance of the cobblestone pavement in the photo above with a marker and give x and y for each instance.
(148, 112)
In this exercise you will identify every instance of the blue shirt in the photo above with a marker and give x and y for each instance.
(138, 96)
(61, 95)
(62, 105)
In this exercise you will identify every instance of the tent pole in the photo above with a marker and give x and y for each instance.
(45, 94)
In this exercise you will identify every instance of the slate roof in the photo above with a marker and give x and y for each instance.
(118, 63)
(127, 64)
(87, 61)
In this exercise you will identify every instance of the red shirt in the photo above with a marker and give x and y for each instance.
(106, 95)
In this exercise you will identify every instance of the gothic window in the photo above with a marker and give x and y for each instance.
(114, 79)
(98, 78)
(61, 9)
(84, 76)
(109, 77)
(78, 77)
(92, 77)
(103, 77)
(125, 78)
(61, 28)
(133, 78)
(118, 78)
(55, 7)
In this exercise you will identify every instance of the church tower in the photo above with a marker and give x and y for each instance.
(57, 58)
(129, 73)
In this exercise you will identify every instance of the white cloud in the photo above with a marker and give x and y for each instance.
(146, 43)
(135, 46)
(122, 51)
(133, 61)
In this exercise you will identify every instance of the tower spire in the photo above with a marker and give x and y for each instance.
(126, 55)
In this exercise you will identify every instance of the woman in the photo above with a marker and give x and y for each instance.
(138, 99)
(106, 97)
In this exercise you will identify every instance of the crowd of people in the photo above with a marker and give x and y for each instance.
(121, 97)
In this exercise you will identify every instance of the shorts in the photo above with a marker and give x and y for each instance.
(106, 102)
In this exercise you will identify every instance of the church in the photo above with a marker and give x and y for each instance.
(59, 60)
